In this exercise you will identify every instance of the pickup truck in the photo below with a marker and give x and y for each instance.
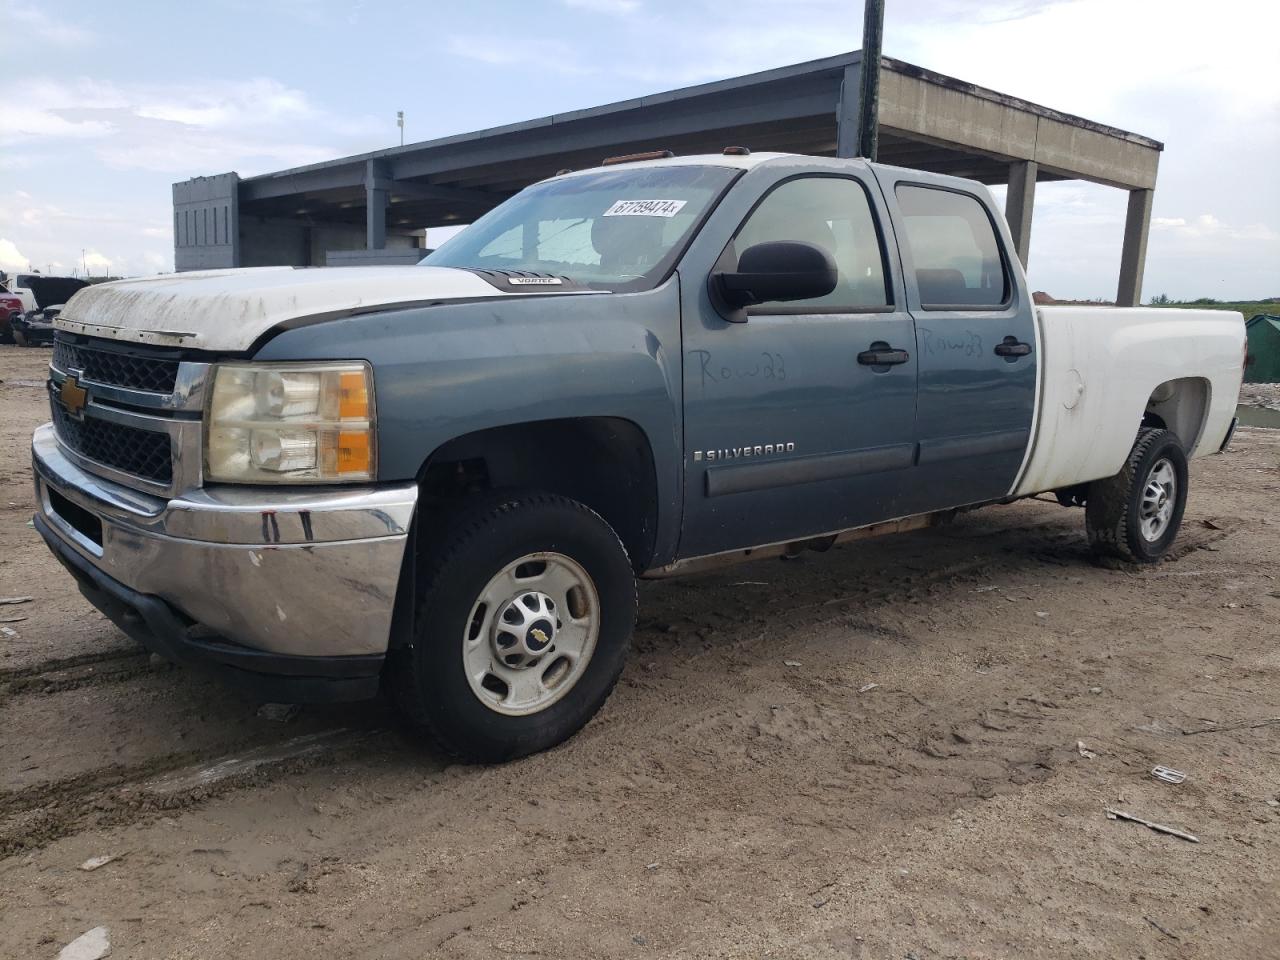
(442, 481)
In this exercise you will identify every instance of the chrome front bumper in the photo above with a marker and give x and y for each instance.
(296, 573)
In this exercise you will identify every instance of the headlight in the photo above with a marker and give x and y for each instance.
(291, 423)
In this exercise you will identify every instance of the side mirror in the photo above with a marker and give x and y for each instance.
(780, 270)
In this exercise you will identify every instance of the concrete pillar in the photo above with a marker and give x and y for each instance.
(1133, 256)
(376, 199)
(848, 111)
(1018, 204)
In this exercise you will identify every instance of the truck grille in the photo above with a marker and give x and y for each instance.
(143, 453)
(116, 369)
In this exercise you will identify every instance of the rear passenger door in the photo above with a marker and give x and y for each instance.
(976, 342)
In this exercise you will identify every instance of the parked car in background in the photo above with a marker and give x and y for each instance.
(42, 300)
(39, 290)
(10, 307)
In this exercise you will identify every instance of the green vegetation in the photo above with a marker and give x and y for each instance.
(1248, 307)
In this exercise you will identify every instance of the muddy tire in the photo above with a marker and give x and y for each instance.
(1135, 515)
(527, 606)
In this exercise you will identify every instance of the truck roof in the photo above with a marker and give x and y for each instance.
(737, 161)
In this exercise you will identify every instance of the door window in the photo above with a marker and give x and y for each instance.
(834, 214)
(953, 248)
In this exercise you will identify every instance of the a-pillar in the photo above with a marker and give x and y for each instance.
(1018, 204)
(1133, 256)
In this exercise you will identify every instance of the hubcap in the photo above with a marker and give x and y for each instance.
(531, 633)
(1155, 513)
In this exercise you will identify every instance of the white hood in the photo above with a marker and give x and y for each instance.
(230, 309)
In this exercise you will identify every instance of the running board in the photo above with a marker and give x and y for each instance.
(792, 548)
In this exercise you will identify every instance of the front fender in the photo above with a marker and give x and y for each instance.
(451, 369)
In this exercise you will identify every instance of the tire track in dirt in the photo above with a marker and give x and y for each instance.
(35, 816)
(91, 670)
(8, 675)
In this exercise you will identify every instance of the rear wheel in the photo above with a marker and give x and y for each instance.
(524, 622)
(1136, 514)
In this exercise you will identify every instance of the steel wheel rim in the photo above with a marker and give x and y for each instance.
(1159, 494)
(531, 633)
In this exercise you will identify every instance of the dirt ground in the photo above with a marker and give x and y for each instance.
(904, 748)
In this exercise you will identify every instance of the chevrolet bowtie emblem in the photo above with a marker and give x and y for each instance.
(540, 635)
(73, 396)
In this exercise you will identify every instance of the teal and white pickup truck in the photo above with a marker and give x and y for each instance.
(443, 480)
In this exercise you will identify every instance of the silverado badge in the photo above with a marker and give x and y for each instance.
(73, 396)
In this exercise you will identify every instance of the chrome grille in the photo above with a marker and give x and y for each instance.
(140, 423)
(115, 368)
(142, 453)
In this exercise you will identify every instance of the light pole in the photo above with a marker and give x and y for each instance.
(400, 124)
(869, 92)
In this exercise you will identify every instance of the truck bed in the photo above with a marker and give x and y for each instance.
(1102, 368)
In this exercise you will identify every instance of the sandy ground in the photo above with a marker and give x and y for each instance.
(900, 749)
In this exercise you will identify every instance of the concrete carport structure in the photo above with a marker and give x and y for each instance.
(373, 208)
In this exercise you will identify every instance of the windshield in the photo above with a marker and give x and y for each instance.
(615, 230)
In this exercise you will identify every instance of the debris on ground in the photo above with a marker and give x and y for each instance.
(93, 863)
(278, 712)
(867, 687)
(1085, 751)
(12, 619)
(9, 632)
(1113, 814)
(5, 601)
(791, 663)
(1168, 774)
(1242, 725)
(91, 945)
(1167, 933)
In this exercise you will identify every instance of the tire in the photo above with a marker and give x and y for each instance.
(1136, 514)
(20, 338)
(482, 576)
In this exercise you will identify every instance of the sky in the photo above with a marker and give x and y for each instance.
(106, 105)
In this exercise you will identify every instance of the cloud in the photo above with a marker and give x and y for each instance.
(183, 130)
(550, 54)
(122, 236)
(30, 24)
(1207, 226)
(11, 258)
(615, 7)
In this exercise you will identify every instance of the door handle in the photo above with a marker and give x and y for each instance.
(1012, 347)
(882, 355)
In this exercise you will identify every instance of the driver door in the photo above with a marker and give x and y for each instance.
(789, 430)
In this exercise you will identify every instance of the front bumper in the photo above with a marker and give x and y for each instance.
(269, 583)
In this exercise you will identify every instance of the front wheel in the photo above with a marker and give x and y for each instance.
(523, 626)
(1135, 515)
